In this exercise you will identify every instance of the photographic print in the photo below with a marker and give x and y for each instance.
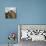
(10, 12)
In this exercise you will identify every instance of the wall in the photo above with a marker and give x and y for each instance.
(28, 12)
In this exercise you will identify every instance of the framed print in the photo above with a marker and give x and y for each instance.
(10, 12)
